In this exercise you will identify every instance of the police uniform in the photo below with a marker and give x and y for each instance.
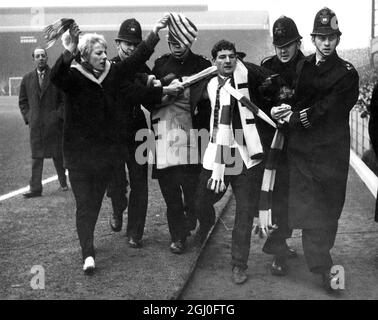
(318, 150)
(183, 178)
(277, 90)
(131, 118)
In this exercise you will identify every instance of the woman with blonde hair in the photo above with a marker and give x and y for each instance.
(90, 139)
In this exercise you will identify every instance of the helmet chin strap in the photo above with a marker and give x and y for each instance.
(124, 52)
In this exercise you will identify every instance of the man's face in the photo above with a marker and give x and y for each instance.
(97, 57)
(225, 61)
(325, 45)
(287, 53)
(40, 59)
(178, 50)
(126, 48)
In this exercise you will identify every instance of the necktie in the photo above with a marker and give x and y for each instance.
(319, 63)
(235, 115)
(221, 83)
(40, 78)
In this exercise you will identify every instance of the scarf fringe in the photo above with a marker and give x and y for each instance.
(265, 226)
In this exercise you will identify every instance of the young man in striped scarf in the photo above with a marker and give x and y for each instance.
(235, 151)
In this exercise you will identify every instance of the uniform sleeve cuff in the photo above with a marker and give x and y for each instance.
(304, 118)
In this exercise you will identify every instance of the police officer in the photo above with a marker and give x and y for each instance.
(178, 182)
(318, 150)
(132, 119)
(278, 89)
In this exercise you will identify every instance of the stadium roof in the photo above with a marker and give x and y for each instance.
(109, 18)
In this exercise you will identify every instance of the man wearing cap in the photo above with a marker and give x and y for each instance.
(178, 179)
(279, 89)
(319, 144)
(132, 119)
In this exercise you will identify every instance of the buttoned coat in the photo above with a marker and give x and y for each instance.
(42, 109)
(319, 143)
(91, 126)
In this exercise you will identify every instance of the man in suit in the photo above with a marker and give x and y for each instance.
(41, 105)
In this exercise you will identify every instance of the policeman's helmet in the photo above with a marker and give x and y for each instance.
(285, 32)
(325, 23)
(130, 31)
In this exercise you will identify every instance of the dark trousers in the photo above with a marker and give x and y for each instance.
(37, 168)
(138, 197)
(246, 187)
(88, 186)
(317, 244)
(276, 243)
(178, 186)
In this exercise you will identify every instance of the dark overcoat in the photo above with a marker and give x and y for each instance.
(319, 143)
(42, 109)
(281, 90)
(132, 117)
(91, 126)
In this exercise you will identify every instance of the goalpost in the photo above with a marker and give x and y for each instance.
(14, 85)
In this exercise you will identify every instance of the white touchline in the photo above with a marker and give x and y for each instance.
(365, 174)
(22, 190)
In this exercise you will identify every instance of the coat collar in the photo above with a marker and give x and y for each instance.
(326, 65)
(89, 75)
(181, 62)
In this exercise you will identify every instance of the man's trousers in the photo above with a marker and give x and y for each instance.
(246, 187)
(37, 168)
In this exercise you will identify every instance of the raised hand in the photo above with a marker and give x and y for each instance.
(70, 39)
(280, 112)
(161, 23)
(174, 89)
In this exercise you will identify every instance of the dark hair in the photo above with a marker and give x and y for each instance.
(41, 48)
(222, 45)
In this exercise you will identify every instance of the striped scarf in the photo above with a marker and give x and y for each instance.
(265, 227)
(219, 151)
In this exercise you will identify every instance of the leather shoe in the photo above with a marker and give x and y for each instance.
(177, 247)
(89, 266)
(279, 266)
(330, 282)
(32, 194)
(135, 243)
(115, 222)
(64, 188)
(239, 275)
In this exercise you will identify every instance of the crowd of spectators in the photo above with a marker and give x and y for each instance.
(368, 78)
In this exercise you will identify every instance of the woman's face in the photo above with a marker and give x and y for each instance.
(97, 57)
